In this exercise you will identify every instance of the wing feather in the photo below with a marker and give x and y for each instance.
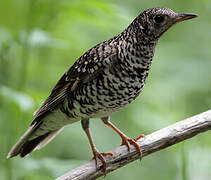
(86, 68)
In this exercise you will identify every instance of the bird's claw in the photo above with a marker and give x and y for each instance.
(102, 159)
(141, 136)
(128, 141)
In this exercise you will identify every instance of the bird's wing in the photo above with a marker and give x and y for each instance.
(86, 68)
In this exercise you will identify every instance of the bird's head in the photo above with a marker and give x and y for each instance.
(155, 21)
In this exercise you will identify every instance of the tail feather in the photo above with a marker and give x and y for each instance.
(29, 146)
(17, 147)
(26, 145)
(48, 138)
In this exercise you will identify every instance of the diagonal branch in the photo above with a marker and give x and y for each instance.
(156, 141)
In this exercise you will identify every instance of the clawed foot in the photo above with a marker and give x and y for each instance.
(101, 157)
(128, 141)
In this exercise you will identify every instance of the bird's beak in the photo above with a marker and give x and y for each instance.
(183, 17)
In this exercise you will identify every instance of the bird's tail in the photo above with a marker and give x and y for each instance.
(30, 141)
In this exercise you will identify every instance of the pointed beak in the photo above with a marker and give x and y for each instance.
(183, 17)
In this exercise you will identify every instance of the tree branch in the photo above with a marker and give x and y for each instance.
(156, 141)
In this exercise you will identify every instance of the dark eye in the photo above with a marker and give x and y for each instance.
(159, 19)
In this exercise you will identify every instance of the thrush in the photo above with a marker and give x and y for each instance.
(102, 81)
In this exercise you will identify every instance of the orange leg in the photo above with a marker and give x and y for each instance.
(85, 125)
(125, 140)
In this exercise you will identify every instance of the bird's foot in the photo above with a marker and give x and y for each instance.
(141, 136)
(128, 141)
(100, 156)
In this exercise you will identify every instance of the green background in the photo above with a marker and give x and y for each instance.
(41, 39)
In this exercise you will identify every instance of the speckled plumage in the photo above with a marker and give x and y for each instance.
(121, 72)
(102, 81)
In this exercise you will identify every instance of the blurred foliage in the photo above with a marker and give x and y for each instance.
(39, 40)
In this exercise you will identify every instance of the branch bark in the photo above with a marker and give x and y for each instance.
(156, 141)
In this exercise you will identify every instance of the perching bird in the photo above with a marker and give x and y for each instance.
(102, 81)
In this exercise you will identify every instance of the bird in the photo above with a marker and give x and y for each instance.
(102, 81)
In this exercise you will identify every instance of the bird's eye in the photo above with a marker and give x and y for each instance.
(159, 19)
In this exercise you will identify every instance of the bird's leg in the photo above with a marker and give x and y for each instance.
(85, 125)
(125, 140)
